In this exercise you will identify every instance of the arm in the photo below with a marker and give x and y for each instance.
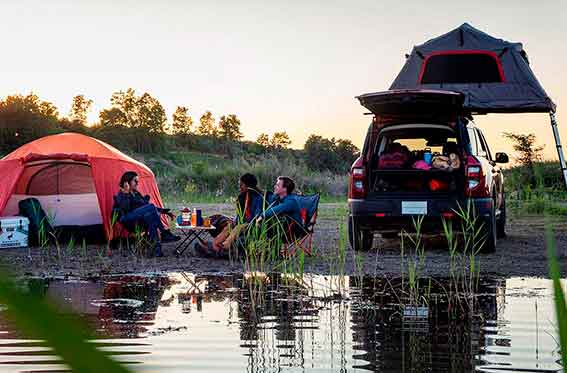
(283, 208)
(122, 203)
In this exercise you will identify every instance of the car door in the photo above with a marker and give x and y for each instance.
(493, 171)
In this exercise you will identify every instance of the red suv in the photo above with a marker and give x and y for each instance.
(423, 156)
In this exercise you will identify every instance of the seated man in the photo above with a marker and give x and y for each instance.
(136, 210)
(285, 207)
(250, 204)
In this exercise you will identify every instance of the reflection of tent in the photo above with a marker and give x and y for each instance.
(72, 175)
(493, 74)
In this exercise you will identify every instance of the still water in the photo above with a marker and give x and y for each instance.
(181, 322)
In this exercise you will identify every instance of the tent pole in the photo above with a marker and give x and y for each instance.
(558, 145)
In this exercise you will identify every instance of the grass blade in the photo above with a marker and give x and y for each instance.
(560, 305)
(68, 339)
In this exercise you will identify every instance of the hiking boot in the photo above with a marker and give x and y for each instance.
(167, 236)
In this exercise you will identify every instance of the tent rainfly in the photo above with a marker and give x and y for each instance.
(73, 176)
(493, 75)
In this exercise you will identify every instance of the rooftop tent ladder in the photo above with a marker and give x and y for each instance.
(493, 74)
(558, 145)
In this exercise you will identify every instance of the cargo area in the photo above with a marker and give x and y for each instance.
(417, 159)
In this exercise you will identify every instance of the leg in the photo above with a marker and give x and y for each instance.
(150, 218)
(234, 233)
(218, 241)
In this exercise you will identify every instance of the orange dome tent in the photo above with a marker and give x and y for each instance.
(73, 176)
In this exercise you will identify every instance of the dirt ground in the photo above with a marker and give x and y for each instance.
(522, 253)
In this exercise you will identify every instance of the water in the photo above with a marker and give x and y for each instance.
(182, 322)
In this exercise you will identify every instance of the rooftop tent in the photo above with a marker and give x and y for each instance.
(73, 176)
(494, 75)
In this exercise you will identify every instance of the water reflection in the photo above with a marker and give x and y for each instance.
(271, 322)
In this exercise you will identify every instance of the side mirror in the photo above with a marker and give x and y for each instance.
(502, 158)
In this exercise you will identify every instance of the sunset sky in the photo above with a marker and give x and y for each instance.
(288, 65)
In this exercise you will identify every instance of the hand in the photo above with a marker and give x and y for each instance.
(171, 215)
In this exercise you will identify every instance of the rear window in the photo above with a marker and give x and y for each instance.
(468, 67)
(422, 144)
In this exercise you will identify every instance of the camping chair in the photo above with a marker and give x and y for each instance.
(300, 234)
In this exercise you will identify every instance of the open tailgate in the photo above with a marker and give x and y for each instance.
(414, 103)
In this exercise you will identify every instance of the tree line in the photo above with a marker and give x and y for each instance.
(138, 122)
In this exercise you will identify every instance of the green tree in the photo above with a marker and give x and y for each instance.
(129, 110)
(346, 151)
(263, 140)
(229, 128)
(150, 114)
(280, 140)
(113, 117)
(528, 153)
(80, 109)
(329, 154)
(182, 121)
(24, 119)
(207, 125)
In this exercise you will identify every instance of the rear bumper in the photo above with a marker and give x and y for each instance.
(386, 214)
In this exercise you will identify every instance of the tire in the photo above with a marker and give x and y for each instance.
(501, 221)
(360, 240)
(489, 233)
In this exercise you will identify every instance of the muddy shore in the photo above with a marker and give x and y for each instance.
(522, 253)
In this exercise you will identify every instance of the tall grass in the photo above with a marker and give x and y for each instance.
(560, 305)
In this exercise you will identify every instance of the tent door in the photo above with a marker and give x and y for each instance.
(559, 147)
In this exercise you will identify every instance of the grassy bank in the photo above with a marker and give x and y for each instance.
(196, 177)
(545, 195)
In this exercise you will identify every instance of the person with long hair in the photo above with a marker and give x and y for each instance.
(250, 204)
(133, 210)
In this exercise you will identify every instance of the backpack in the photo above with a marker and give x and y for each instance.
(40, 228)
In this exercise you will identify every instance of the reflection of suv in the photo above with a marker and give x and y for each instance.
(390, 183)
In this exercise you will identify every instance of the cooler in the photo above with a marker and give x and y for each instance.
(13, 232)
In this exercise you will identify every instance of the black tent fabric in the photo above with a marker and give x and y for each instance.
(493, 74)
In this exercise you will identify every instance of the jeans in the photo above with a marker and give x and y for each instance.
(146, 216)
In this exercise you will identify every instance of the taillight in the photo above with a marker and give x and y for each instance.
(476, 186)
(357, 185)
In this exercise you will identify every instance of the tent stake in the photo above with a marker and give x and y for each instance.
(559, 148)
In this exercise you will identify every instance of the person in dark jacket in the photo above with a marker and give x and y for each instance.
(133, 210)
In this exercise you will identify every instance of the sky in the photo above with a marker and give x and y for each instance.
(293, 66)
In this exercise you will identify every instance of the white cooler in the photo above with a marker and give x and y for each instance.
(13, 232)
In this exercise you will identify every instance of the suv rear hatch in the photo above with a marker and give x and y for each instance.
(406, 125)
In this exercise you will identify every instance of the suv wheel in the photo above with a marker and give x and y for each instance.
(360, 240)
(501, 222)
(489, 233)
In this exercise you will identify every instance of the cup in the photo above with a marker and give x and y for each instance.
(207, 222)
(427, 157)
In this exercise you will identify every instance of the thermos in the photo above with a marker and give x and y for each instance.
(199, 218)
(427, 156)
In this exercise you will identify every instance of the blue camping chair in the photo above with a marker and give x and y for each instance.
(300, 234)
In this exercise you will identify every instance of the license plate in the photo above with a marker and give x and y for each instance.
(414, 207)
